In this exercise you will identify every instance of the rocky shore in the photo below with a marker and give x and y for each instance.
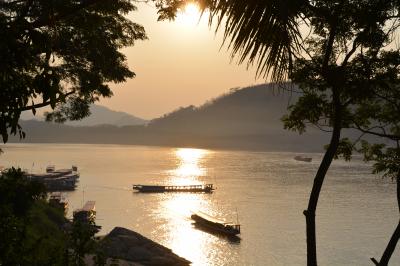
(131, 248)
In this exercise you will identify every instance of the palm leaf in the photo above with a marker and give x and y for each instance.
(261, 32)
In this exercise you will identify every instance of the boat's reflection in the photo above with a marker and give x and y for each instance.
(205, 229)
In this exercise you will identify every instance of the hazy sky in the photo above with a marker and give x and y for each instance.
(181, 64)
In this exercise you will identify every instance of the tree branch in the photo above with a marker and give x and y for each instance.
(68, 12)
(43, 104)
(384, 134)
(352, 51)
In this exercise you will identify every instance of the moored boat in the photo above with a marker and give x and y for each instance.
(87, 213)
(214, 224)
(207, 188)
(57, 180)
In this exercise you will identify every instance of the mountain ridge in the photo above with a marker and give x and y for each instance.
(99, 115)
(246, 118)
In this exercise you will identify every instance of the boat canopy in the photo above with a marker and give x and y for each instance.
(213, 219)
(88, 207)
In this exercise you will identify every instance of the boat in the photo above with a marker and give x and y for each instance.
(57, 180)
(87, 213)
(303, 159)
(216, 225)
(207, 188)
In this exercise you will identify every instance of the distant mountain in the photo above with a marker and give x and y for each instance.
(247, 118)
(100, 115)
(252, 110)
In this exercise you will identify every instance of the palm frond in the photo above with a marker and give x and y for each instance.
(261, 32)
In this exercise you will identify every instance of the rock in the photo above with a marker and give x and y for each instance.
(125, 244)
(137, 253)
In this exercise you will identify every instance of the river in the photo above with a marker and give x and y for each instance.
(265, 191)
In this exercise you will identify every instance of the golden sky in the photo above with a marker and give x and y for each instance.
(181, 64)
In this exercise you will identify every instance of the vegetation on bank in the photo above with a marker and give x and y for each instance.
(33, 232)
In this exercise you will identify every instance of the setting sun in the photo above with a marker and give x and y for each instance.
(190, 14)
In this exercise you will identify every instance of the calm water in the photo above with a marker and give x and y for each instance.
(266, 190)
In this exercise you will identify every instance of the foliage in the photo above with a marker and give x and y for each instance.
(33, 232)
(17, 196)
(62, 54)
(81, 241)
(386, 159)
(45, 241)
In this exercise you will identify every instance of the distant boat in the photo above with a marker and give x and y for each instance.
(303, 159)
(214, 224)
(207, 188)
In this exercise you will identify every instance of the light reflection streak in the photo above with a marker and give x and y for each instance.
(189, 170)
(181, 236)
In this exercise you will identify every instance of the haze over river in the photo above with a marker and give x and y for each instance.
(266, 191)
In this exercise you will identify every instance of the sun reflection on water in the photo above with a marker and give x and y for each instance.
(189, 166)
(177, 208)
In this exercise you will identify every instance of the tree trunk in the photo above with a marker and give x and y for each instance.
(391, 246)
(318, 182)
(314, 196)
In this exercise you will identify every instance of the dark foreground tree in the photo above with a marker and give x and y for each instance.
(17, 196)
(387, 161)
(61, 54)
(384, 109)
(338, 53)
(34, 232)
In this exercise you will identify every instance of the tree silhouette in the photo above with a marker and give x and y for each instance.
(61, 54)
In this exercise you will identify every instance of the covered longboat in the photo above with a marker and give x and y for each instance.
(214, 224)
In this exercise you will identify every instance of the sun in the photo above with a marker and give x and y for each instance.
(189, 15)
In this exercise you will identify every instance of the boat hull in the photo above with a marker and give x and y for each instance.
(217, 227)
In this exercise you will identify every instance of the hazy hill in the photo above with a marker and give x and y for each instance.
(252, 110)
(247, 118)
(100, 115)
(104, 116)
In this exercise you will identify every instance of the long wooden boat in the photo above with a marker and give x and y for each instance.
(207, 188)
(214, 224)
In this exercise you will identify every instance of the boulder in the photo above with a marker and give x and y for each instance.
(125, 244)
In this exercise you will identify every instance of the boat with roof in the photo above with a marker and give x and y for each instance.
(57, 179)
(217, 225)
